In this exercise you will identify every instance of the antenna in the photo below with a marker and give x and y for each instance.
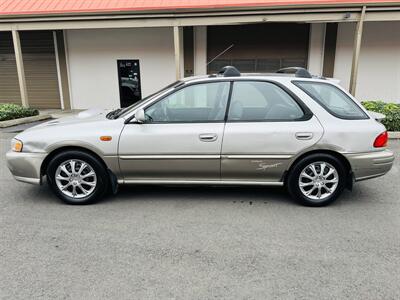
(221, 53)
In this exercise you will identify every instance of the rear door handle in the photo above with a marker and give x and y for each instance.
(304, 135)
(208, 137)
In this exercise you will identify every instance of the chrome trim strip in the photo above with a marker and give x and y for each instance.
(169, 157)
(229, 156)
(369, 177)
(383, 160)
(379, 150)
(205, 182)
(381, 164)
(270, 156)
(28, 180)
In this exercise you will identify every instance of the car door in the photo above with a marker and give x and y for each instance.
(181, 139)
(266, 126)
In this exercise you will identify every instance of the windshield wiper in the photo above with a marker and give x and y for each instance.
(113, 114)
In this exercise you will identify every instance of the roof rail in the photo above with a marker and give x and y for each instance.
(229, 71)
(297, 71)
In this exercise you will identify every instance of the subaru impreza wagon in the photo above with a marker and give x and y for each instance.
(293, 130)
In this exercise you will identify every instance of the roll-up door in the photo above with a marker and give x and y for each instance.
(40, 69)
(9, 87)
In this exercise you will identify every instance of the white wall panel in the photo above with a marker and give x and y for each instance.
(316, 48)
(379, 69)
(93, 55)
(200, 50)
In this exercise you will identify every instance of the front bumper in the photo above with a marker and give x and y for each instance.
(370, 165)
(25, 167)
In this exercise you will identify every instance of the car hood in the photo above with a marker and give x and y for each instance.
(90, 115)
(82, 130)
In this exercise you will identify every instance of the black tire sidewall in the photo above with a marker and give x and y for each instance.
(293, 178)
(98, 167)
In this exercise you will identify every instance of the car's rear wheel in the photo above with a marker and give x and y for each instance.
(317, 180)
(77, 177)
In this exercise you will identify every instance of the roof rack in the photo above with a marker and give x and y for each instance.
(229, 71)
(297, 71)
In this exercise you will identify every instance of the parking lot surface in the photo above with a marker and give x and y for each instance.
(199, 243)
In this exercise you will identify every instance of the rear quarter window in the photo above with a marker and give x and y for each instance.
(332, 99)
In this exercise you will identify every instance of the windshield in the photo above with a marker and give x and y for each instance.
(128, 109)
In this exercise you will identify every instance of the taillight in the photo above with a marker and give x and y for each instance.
(381, 140)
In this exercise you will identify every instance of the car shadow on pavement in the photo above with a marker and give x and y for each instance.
(248, 194)
(229, 194)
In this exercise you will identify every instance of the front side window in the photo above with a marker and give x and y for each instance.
(204, 102)
(127, 110)
(333, 99)
(262, 101)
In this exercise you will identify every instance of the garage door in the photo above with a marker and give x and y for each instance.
(9, 87)
(40, 69)
(259, 47)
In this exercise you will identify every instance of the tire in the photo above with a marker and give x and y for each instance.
(88, 183)
(330, 186)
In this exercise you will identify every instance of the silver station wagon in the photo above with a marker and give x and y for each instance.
(281, 129)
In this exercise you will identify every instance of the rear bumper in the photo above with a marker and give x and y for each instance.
(370, 165)
(25, 167)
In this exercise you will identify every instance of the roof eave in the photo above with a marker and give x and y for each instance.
(183, 10)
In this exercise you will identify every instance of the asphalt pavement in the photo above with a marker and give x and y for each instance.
(199, 243)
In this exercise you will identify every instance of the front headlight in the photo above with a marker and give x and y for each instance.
(16, 145)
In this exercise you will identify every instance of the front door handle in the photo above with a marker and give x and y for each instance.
(208, 137)
(304, 135)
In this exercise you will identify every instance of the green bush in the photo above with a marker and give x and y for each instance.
(390, 110)
(14, 111)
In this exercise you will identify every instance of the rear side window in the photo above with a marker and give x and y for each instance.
(262, 101)
(334, 100)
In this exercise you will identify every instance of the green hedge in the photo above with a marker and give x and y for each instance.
(14, 111)
(390, 110)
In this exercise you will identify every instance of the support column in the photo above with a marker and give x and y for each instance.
(62, 74)
(200, 50)
(356, 52)
(20, 68)
(316, 48)
(60, 88)
(178, 47)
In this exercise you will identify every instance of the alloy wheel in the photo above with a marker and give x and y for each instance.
(76, 178)
(318, 180)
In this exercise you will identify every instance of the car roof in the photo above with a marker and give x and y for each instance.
(254, 76)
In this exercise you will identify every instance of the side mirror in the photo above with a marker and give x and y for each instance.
(140, 116)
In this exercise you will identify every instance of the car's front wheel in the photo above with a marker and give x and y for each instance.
(317, 180)
(77, 177)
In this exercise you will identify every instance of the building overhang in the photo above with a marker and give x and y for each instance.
(51, 8)
(306, 11)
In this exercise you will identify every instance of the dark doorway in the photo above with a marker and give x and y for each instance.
(129, 81)
(258, 47)
(330, 49)
(188, 53)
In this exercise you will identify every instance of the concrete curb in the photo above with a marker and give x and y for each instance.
(9, 123)
(393, 135)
